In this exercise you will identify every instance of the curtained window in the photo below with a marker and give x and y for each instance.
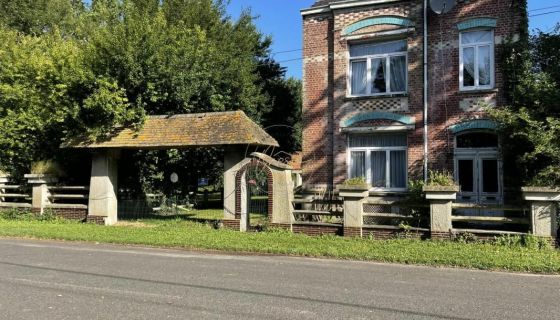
(378, 68)
(476, 60)
(380, 158)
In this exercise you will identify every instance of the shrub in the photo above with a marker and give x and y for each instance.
(358, 181)
(441, 178)
(46, 167)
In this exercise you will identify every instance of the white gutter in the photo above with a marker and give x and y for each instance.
(425, 90)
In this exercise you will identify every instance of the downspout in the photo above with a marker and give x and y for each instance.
(425, 90)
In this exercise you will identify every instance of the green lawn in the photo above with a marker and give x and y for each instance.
(183, 234)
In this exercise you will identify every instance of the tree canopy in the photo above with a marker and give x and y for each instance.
(69, 68)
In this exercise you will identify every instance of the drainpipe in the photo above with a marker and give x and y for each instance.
(425, 90)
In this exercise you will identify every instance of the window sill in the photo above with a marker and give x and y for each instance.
(478, 91)
(384, 96)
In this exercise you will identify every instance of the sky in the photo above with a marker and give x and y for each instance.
(282, 20)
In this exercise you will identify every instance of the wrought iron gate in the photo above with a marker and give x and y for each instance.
(256, 181)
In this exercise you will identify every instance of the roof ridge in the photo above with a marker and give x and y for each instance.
(194, 115)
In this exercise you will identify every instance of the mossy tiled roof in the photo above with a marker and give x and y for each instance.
(185, 130)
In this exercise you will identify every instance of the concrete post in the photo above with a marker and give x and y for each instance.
(40, 191)
(354, 198)
(3, 181)
(544, 206)
(103, 186)
(441, 205)
(232, 157)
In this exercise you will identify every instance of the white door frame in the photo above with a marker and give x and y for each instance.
(477, 155)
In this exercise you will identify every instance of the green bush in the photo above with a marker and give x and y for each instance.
(441, 178)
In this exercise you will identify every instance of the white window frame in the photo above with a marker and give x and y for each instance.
(368, 59)
(368, 169)
(476, 47)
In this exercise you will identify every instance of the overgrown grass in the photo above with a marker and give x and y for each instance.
(184, 234)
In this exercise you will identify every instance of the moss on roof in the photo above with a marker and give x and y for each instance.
(185, 130)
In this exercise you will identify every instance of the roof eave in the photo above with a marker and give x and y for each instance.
(342, 5)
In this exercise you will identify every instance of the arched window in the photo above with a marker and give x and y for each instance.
(477, 139)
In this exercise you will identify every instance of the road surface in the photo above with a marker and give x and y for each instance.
(55, 280)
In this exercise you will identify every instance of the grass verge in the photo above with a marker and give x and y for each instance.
(184, 234)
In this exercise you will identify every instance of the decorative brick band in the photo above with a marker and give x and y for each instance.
(394, 20)
(474, 124)
(377, 116)
(477, 23)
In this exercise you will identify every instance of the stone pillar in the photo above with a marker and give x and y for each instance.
(282, 197)
(441, 204)
(3, 181)
(40, 191)
(544, 208)
(232, 158)
(103, 186)
(354, 198)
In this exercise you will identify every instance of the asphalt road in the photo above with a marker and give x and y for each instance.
(53, 280)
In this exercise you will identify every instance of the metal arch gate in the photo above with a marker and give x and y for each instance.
(255, 213)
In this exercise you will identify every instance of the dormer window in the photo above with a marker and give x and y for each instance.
(476, 54)
(378, 68)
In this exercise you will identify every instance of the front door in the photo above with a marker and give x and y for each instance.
(478, 174)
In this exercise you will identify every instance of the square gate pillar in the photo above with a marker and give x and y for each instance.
(544, 206)
(232, 158)
(103, 186)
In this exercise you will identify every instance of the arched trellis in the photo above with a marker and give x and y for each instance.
(240, 187)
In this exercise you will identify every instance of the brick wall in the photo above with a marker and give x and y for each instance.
(392, 233)
(317, 229)
(325, 101)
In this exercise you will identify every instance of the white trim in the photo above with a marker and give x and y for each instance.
(342, 5)
(368, 172)
(370, 35)
(368, 59)
(476, 47)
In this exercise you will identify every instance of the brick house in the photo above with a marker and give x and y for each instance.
(363, 108)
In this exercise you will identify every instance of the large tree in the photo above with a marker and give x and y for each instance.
(69, 68)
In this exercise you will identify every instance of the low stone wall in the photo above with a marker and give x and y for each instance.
(317, 229)
(392, 233)
(232, 224)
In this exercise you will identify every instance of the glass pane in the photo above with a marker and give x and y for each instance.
(398, 169)
(358, 164)
(468, 67)
(490, 175)
(378, 140)
(370, 49)
(378, 168)
(476, 37)
(359, 82)
(466, 179)
(484, 69)
(398, 74)
(378, 83)
(477, 140)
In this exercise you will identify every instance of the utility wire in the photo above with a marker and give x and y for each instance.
(294, 50)
(539, 9)
(545, 13)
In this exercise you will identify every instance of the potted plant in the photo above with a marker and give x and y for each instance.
(441, 186)
(45, 171)
(355, 187)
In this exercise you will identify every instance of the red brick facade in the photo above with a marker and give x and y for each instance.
(326, 103)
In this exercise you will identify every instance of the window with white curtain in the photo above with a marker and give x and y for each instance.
(379, 158)
(378, 68)
(476, 60)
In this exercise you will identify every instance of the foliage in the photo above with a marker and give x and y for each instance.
(24, 215)
(526, 240)
(530, 126)
(46, 167)
(357, 181)
(182, 234)
(67, 69)
(441, 178)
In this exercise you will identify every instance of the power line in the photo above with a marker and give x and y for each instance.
(289, 60)
(294, 50)
(539, 9)
(542, 14)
